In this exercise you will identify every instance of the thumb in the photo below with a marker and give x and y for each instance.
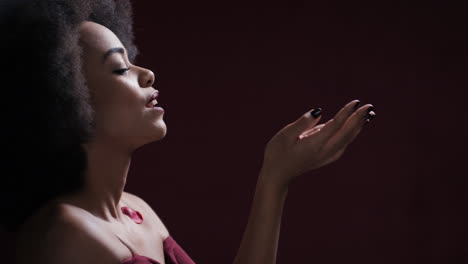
(307, 120)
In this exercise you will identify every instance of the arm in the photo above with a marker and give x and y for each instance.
(299, 147)
(260, 241)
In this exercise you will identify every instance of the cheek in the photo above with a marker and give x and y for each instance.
(118, 117)
(123, 105)
(128, 99)
(116, 92)
(118, 102)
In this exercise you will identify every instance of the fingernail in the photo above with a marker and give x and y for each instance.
(366, 116)
(316, 112)
(370, 116)
(356, 105)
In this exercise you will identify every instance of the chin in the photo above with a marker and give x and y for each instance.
(154, 137)
(154, 133)
(161, 132)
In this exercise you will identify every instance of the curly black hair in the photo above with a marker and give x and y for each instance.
(45, 109)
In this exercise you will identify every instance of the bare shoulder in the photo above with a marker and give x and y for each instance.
(147, 210)
(68, 237)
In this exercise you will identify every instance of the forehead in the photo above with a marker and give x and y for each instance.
(96, 38)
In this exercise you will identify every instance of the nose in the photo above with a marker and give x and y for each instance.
(146, 78)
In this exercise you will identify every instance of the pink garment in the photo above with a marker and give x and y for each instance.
(173, 253)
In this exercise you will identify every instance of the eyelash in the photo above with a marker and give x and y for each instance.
(121, 71)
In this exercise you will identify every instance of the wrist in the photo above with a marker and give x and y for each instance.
(269, 180)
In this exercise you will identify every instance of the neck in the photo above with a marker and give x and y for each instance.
(105, 179)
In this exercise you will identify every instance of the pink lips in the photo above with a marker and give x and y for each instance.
(152, 97)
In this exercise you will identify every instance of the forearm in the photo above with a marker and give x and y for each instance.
(260, 240)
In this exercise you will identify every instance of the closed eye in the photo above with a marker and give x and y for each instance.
(121, 71)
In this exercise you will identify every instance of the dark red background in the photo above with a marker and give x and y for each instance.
(231, 74)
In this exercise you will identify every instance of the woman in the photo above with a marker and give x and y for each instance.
(66, 198)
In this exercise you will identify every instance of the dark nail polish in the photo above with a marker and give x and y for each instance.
(368, 111)
(370, 116)
(356, 105)
(316, 112)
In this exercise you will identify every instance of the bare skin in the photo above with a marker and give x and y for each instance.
(299, 147)
(89, 227)
(124, 123)
(65, 232)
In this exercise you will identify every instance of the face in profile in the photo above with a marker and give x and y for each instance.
(120, 91)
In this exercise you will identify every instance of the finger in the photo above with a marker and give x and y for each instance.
(334, 125)
(314, 129)
(350, 129)
(306, 121)
(361, 127)
(311, 131)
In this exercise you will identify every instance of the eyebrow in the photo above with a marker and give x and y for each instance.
(112, 51)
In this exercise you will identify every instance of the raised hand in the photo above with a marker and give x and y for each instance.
(303, 145)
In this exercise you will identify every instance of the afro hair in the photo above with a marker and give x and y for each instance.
(46, 111)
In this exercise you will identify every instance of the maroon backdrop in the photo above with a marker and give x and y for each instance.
(231, 74)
